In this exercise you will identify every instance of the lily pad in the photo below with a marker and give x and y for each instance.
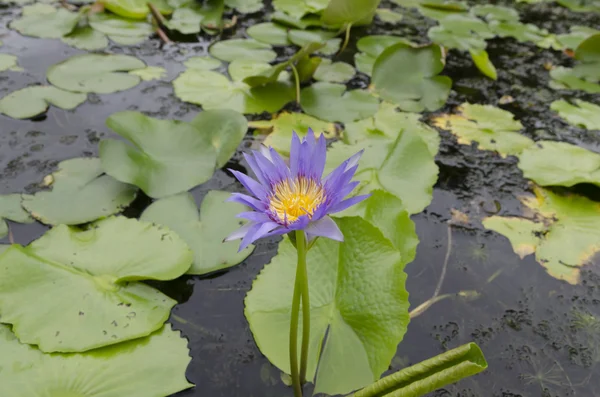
(10, 209)
(586, 74)
(404, 167)
(49, 24)
(81, 193)
(240, 69)
(551, 163)
(284, 124)
(192, 17)
(305, 37)
(492, 128)
(202, 63)
(247, 49)
(409, 77)
(269, 33)
(564, 232)
(166, 157)
(336, 72)
(92, 276)
(372, 47)
(119, 29)
(225, 128)
(213, 90)
(354, 12)
(136, 9)
(245, 6)
(203, 232)
(388, 16)
(86, 38)
(331, 102)
(577, 34)
(298, 8)
(9, 62)
(102, 74)
(581, 113)
(358, 299)
(32, 101)
(463, 32)
(150, 73)
(164, 354)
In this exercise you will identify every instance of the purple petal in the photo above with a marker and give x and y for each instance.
(319, 155)
(256, 169)
(250, 184)
(310, 138)
(346, 190)
(254, 216)
(324, 227)
(294, 154)
(347, 203)
(240, 233)
(338, 181)
(246, 200)
(279, 163)
(257, 231)
(265, 151)
(270, 171)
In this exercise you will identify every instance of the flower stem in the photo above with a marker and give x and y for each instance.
(296, 384)
(302, 249)
(297, 81)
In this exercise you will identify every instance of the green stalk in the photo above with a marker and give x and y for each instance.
(297, 81)
(302, 249)
(297, 385)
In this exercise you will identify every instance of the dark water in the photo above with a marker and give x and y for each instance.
(539, 335)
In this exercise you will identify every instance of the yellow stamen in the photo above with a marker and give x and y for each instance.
(293, 198)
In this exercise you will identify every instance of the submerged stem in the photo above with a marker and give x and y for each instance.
(295, 374)
(297, 81)
(302, 248)
(346, 39)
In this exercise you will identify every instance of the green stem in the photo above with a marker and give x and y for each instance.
(302, 249)
(346, 38)
(294, 330)
(297, 80)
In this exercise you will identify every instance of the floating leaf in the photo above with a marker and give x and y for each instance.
(344, 12)
(48, 23)
(96, 73)
(551, 163)
(119, 29)
(298, 8)
(576, 36)
(213, 90)
(136, 9)
(586, 74)
(150, 73)
(580, 5)
(203, 232)
(240, 69)
(519, 31)
(483, 63)
(404, 167)
(226, 129)
(269, 33)
(336, 72)
(492, 128)
(81, 193)
(496, 13)
(372, 47)
(331, 102)
(202, 63)
(389, 16)
(296, 22)
(463, 32)
(306, 37)
(9, 62)
(247, 49)
(166, 156)
(187, 19)
(283, 124)
(564, 232)
(27, 372)
(581, 114)
(32, 101)
(409, 77)
(86, 38)
(91, 276)
(10, 209)
(347, 281)
(245, 6)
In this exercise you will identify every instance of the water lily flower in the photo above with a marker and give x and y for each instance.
(297, 197)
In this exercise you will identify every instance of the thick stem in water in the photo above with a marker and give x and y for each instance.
(294, 372)
(301, 247)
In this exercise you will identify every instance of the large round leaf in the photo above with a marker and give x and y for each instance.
(330, 102)
(74, 290)
(166, 156)
(371, 47)
(81, 193)
(119, 28)
(343, 12)
(358, 300)
(154, 366)
(32, 101)
(48, 23)
(213, 90)
(580, 113)
(409, 77)
(203, 232)
(10, 209)
(97, 73)
(86, 38)
(230, 50)
(269, 33)
(136, 9)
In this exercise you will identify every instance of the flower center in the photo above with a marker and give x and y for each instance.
(290, 199)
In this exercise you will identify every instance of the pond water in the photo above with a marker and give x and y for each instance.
(536, 332)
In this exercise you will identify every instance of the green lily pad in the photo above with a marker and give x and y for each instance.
(136, 9)
(492, 128)
(581, 113)
(150, 73)
(213, 90)
(245, 6)
(496, 13)
(388, 16)
(519, 31)
(284, 124)
(102, 74)
(27, 372)
(86, 38)
(331, 102)
(404, 167)
(304, 22)
(92, 276)
(305, 37)
(586, 74)
(9, 62)
(247, 49)
(240, 69)
(581, 6)
(346, 282)
(269, 33)
(203, 232)
(121, 30)
(10, 209)
(166, 156)
(298, 8)
(344, 12)
(409, 77)
(32, 101)
(192, 17)
(463, 32)
(202, 63)
(81, 193)
(551, 163)
(577, 34)
(226, 129)
(481, 59)
(564, 232)
(48, 23)
(336, 72)
(372, 47)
